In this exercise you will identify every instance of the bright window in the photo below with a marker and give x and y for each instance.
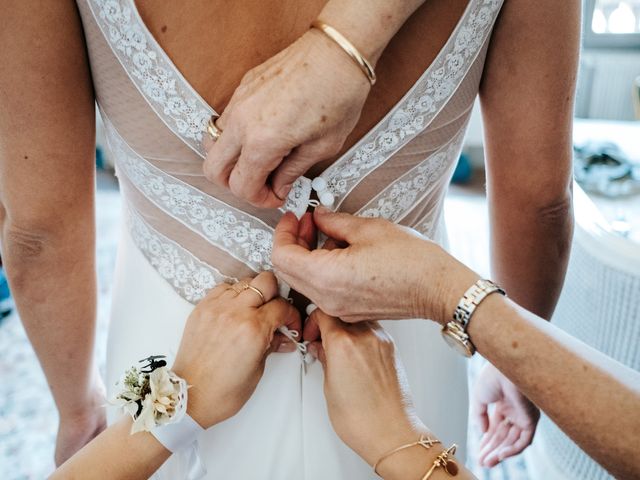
(612, 23)
(616, 17)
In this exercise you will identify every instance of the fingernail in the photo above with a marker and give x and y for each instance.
(312, 349)
(321, 210)
(286, 347)
(284, 191)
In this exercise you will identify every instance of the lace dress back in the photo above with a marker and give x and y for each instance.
(155, 125)
(189, 235)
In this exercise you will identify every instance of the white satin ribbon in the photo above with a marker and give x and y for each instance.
(180, 438)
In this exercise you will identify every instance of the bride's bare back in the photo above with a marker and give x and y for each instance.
(214, 43)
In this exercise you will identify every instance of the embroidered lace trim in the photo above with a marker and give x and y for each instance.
(242, 236)
(421, 104)
(298, 198)
(189, 276)
(152, 72)
(400, 197)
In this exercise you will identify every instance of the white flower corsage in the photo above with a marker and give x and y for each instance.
(153, 395)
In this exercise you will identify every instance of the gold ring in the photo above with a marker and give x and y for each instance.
(239, 287)
(251, 287)
(242, 286)
(212, 129)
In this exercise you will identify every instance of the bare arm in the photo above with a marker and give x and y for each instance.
(593, 399)
(527, 102)
(115, 454)
(47, 201)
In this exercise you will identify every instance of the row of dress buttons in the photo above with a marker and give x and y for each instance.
(326, 198)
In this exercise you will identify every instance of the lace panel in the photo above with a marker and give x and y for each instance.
(426, 227)
(242, 236)
(421, 104)
(298, 199)
(401, 196)
(190, 277)
(175, 102)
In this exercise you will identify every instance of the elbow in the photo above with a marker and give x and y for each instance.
(554, 221)
(28, 245)
(555, 211)
(24, 241)
(543, 216)
(534, 204)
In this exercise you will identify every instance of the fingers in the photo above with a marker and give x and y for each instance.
(266, 283)
(288, 256)
(495, 420)
(222, 155)
(278, 313)
(317, 350)
(496, 455)
(343, 226)
(496, 437)
(248, 178)
(320, 325)
(480, 414)
(307, 232)
(518, 446)
(333, 244)
(297, 163)
(311, 332)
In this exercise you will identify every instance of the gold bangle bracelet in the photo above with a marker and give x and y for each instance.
(349, 48)
(424, 441)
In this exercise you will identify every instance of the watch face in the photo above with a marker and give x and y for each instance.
(463, 348)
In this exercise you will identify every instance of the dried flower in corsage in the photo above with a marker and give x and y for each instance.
(153, 395)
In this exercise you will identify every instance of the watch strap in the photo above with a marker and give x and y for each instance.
(472, 298)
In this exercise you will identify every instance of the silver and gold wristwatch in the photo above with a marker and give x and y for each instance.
(455, 331)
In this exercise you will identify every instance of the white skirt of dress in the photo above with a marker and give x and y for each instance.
(283, 432)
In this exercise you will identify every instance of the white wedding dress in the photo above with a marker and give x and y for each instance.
(184, 235)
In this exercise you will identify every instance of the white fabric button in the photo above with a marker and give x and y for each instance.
(319, 184)
(326, 198)
(311, 308)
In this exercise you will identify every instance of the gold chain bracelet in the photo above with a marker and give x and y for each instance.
(349, 48)
(443, 461)
(424, 442)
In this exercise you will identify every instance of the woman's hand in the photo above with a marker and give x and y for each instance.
(368, 398)
(384, 271)
(225, 343)
(288, 114)
(509, 428)
(76, 429)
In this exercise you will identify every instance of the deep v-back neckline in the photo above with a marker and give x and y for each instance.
(213, 111)
(185, 112)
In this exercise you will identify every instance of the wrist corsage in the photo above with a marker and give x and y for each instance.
(156, 399)
(152, 394)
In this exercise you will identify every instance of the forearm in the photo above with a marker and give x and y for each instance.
(592, 398)
(115, 454)
(369, 25)
(53, 282)
(47, 152)
(530, 245)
